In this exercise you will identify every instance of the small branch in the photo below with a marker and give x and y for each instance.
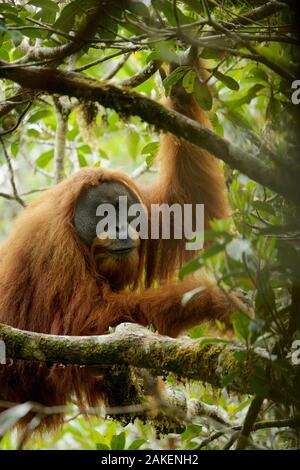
(8, 131)
(10, 197)
(21, 96)
(115, 69)
(105, 58)
(142, 76)
(250, 419)
(12, 175)
(86, 30)
(256, 56)
(140, 170)
(62, 114)
(278, 423)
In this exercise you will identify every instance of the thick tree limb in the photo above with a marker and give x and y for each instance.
(131, 103)
(250, 419)
(133, 345)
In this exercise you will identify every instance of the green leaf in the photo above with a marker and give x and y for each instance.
(16, 37)
(38, 115)
(193, 430)
(174, 77)
(138, 8)
(188, 81)
(264, 207)
(228, 81)
(46, 157)
(198, 331)
(208, 53)
(103, 154)
(66, 19)
(47, 10)
(82, 160)
(133, 139)
(213, 250)
(241, 324)
(259, 381)
(108, 28)
(44, 5)
(250, 95)
(166, 7)
(150, 151)
(136, 444)
(190, 267)
(150, 148)
(217, 125)
(259, 74)
(273, 109)
(118, 441)
(154, 55)
(14, 149)
(100, 446)
(202, 95)
(229, 378)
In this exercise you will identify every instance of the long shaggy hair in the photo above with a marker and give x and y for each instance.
(50, 282)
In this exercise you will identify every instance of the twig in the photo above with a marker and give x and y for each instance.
(231, 441)
(111, 73)
(140, 170)
(105, 58)
(62, 114)
(278, 423)
(12, 176)
(87, 29)
(142, 76)
(21, 96)
(18, 121)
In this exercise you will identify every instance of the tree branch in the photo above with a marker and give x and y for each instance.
(250, 419)
(62, 114)
(87, 30)
(142, 76)
(12, 175)
(134, 345)
(131, 103)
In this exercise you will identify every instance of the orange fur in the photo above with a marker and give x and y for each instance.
(51, 283)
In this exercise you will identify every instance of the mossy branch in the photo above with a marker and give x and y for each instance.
(129, 103)
(134, 345)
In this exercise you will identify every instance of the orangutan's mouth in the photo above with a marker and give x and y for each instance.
(122, 251)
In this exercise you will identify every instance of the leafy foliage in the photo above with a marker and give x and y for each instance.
(257, 249)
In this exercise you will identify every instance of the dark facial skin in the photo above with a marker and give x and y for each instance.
(86, 220)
